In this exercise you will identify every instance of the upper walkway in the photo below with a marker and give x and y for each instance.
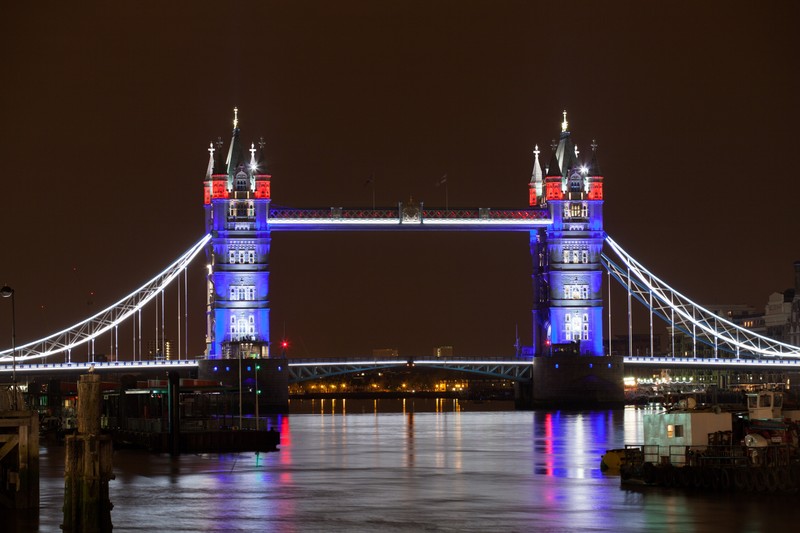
(408, 217)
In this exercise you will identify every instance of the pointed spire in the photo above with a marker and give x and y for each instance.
(210, 169)
(536, 175)
(594, 167)
(234, 158)
(536, 178)
(253, 163)
(553, 169)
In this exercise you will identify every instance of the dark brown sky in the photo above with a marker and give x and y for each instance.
(106, 113)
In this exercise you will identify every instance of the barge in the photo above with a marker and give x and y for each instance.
(717, 449)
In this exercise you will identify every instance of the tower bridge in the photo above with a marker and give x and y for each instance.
(563, 219)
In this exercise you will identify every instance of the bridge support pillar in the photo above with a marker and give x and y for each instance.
(264, 379)
(578, 380)
(523, 395)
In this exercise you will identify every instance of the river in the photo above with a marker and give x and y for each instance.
(409, 466)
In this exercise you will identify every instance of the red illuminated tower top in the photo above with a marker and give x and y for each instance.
(235, 174)
(595, 177)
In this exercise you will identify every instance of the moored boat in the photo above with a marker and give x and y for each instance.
(716, 449)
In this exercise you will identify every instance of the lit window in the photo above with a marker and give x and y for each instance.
(233, 293)
(241, 256)
(251, 209)
(584, 292)
(232, 256)
(584, 210)
(251, 256)
(575, 256)
(584, 256)
(566, 256)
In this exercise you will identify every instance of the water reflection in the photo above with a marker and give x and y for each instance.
(437, 465)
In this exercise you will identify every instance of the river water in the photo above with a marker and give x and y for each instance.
(409, 466)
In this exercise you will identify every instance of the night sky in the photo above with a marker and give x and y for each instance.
(107, 112)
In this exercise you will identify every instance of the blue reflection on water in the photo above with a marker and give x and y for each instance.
(407, 466)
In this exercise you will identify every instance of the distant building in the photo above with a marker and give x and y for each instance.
(739, 314)
(161, 349)
(443, 351)
(385, 352)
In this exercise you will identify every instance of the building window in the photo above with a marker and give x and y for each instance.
(251, 256)
(232, 256)
(566, 256)
(584, 256)
(251, 209)
(576, 292)
(584, 211)
(241, 256)
(574, 256)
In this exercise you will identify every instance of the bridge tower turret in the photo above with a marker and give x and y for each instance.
(571, 278)
(237, 196)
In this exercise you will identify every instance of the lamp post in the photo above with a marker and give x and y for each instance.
(7, 292)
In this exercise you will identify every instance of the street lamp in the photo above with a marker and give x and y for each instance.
(7, 292)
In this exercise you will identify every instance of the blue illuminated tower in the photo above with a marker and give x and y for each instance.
(568, 277)
(236, 200)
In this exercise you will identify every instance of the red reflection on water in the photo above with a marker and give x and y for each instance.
(286, 440)
(548, 444)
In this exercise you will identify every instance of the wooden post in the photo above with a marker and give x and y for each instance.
(19, 456)
(88, 466)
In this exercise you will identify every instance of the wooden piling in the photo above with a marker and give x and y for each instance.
(88, 466)
(19, 458)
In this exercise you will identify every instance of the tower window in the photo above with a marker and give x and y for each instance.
(232, 256)
(584, 256)
(242, 181)
(251, 256)
(566, 256)
(576, 292)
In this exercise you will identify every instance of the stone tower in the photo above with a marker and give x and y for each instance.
(568, 277)
(236, 200)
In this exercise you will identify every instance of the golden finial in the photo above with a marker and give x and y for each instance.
(236, 117)
(564, 125)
